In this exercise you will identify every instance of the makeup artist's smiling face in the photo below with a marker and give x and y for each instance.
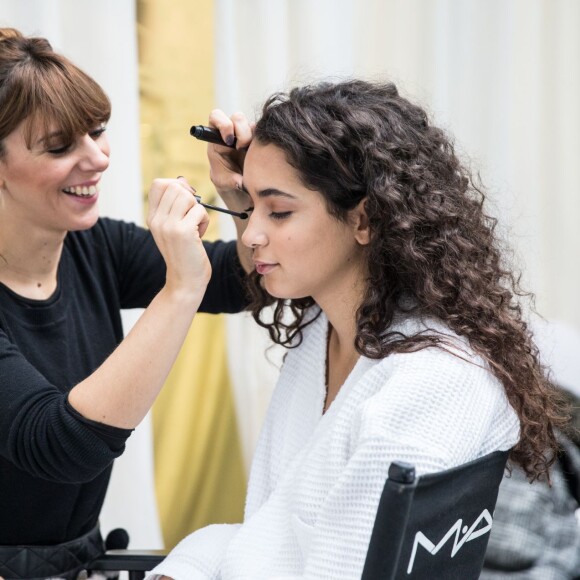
(53, 185)
(298, 247)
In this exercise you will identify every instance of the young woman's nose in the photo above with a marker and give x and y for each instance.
(253, 235)
(95, 154)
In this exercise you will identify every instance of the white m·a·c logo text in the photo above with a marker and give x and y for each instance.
(457, 529)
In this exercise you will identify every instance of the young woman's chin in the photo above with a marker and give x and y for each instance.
(277, 291)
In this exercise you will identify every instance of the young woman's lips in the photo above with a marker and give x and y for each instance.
(264, 268)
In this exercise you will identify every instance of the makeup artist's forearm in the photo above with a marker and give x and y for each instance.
(123, 388)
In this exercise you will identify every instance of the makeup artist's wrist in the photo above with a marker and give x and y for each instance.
(187, 296)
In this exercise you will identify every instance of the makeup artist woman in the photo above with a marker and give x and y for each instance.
(71, 388)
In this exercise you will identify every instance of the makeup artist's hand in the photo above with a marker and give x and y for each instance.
(226, 163)
(178, 223)
(226, 167)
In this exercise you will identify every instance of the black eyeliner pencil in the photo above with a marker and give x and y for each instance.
(241, 214)
(210, 135)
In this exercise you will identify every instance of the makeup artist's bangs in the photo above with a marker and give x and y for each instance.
(64, 100)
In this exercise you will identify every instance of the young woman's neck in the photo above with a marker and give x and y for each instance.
(341, 356)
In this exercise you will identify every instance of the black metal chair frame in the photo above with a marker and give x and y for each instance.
(136, 562)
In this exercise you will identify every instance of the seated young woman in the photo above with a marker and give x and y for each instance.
(378, 268)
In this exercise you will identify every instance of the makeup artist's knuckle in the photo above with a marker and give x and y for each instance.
(216, 179)
(158, 219)
(158, 183)
(238, 116)
(217, 115)
(153, 224)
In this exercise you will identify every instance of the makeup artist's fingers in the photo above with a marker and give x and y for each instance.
(171, 200)
(226, 163)
(155, 194)
(177, 223)
(200, 218)
(183, 180)
(243, 130)
(225, 170)
(221, 121)
(236, 125)
(188, 267)
(162, 194)
(159, 190)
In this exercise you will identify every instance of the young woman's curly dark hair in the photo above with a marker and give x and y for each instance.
(433, 250)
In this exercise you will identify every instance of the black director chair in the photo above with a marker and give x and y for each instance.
(435, 527)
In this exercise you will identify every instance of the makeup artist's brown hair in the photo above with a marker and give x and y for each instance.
(46, 91)
(433, 249)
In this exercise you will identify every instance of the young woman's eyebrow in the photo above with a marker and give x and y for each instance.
(269, 192)
(273, 192)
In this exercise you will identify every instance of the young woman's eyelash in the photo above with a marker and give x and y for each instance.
(277, 215)
(280, 215)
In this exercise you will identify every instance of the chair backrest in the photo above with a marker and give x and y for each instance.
(435, 526)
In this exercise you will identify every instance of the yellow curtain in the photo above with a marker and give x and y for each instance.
(199, 472)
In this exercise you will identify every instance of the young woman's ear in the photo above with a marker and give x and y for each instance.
(360, 222)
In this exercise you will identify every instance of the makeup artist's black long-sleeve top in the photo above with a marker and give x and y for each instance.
(54, 464)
